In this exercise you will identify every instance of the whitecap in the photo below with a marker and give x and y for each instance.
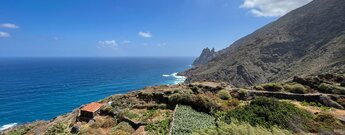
(7, 126)
(178, 79)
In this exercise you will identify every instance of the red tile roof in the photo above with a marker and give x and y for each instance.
(92, 107)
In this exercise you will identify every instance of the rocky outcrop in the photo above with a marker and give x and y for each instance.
(308, 40)
(205, 56)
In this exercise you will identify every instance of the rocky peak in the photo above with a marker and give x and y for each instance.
(206, 55)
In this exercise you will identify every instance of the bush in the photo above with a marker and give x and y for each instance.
(160, 128)
(187, 120)
(268, 112)
(224, 94)
(57, 129)
(327, 88)
(20, 130)
(204, 102)
(123, 128)
(241, 128)
(298, 88)
(275, 87)
(259, 88)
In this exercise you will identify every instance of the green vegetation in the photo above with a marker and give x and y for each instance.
(57, 129)
(20, 130)
(123, 128)
(206, 102)
(297, 88)
(148, 114)
(187, 120)
(240, 128)
(328, 88)
(131, 115)
(160, 128)
(224, 94)
(275, 87)
(268, 112)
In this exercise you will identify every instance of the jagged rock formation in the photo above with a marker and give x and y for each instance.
(308, 40)
(205, 56)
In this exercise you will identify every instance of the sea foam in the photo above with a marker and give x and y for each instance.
(178, 79)
(7, 126)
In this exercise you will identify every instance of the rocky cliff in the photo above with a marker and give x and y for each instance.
(308, 40)
(205, 56)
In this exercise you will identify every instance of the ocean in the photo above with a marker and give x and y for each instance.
(43, 88)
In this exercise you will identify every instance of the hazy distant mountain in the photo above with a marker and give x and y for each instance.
(308, 40)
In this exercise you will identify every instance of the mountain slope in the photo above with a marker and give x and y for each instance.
(205, 56)
(308, 40)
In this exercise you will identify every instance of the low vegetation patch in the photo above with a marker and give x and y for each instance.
(187, 120)
(224, 94)
(328, 88)
(275, 87)
(159, 128)
(123, 128)
(57, 129)
(297, 88)
(268, 112)
(20, 130)
(241, 128)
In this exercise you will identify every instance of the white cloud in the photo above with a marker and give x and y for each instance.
(272, 8)
(107, 44)
(4, 34)
(145, 34)
(9, 25)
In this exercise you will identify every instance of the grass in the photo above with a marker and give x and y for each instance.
(187, 120)
(268, 112)
(241, 128)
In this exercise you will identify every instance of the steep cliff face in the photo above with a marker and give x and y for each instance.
(205, 56)
(308, 40)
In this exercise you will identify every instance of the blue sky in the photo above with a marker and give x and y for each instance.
(108, 28)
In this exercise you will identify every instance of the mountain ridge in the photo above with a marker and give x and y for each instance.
(311, 37)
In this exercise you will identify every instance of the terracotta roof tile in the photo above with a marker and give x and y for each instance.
(92, 107)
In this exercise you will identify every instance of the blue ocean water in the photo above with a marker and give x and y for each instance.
(42, 88)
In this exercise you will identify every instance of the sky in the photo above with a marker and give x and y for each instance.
(130, 28)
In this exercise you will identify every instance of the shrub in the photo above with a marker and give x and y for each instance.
(298, 88)
(287, 87)
(240, 128)
(57, 129)
(224, 94)
(272, 87)
(268, 112)
(123, 128)
(20, 130)
(187, 120)
(160, 128)
(327, 88)
(259, 88)
(242, 93)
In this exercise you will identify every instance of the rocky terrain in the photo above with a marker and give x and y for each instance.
(309, 40)
(310, 105)
(205, 56)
